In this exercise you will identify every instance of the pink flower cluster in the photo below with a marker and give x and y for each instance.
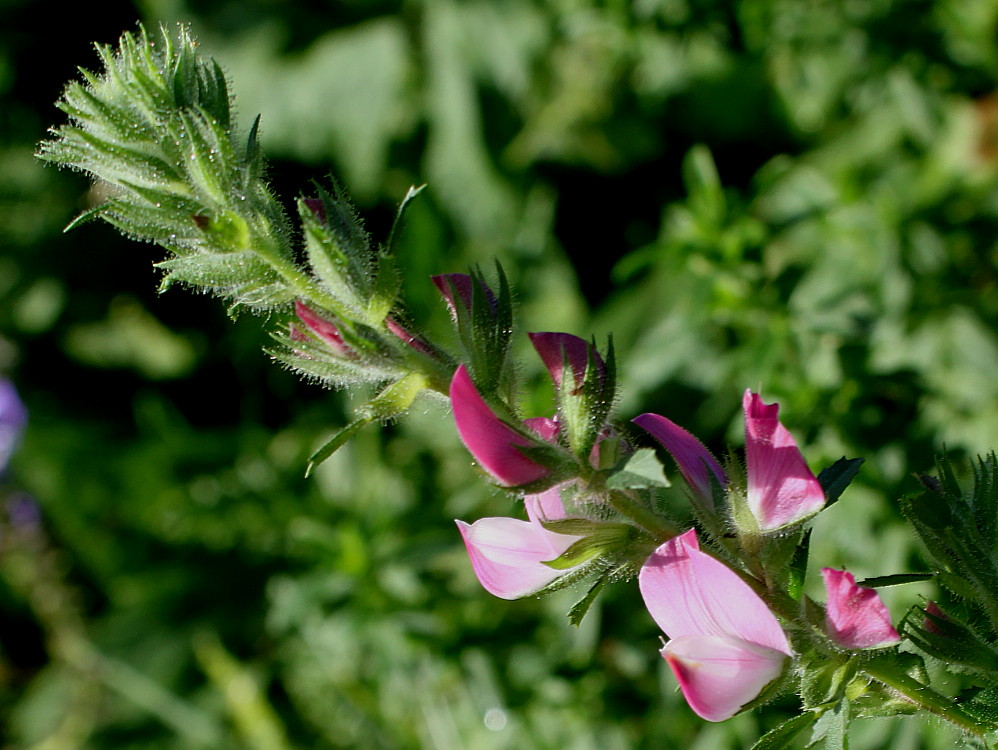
(725, 647)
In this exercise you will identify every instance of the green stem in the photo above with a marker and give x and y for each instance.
(923, 696)
(658, 527)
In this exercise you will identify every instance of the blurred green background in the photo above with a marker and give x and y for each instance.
(798, 196)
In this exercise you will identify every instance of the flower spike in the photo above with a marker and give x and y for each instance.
(856, 617)
(781, 489)
(725, 645)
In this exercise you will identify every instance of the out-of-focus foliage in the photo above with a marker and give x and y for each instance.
(796, 195)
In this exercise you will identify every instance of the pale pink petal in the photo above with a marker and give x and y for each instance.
(855, 615)
(688, 592)
(324, 329)
(719, 675)
(695, 462)
(545, 506)
(556, 348)
(508, 554)
(491, 441)
(781, 489)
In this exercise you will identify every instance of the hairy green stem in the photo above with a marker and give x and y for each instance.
(924, 697)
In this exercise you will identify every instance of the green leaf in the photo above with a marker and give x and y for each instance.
(782, 735)
(895, 580)
(835, 478)
(335, 443)
(581, 607)
(832, 727)
(643, 470)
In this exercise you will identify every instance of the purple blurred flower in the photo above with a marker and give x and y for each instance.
(13, 417)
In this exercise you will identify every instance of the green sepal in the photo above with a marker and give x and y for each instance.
(836, 478)
(338, 440)
(797, 569)
(339, 254)
(643, 470)
(825, 681)
(240, 276)
(780, 737)
(601, 539)
(950, 640)
(396, 398)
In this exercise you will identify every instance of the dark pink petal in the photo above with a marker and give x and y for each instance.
(781, 489)
(508, 555)
(695, 462)
(555, 348)
(324, 329)
(690, 593)
(855, 615)
(543, 427)
(718, 675)
(461, 283)
(491, 441)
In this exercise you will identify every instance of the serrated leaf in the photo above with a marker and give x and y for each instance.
(782, 735)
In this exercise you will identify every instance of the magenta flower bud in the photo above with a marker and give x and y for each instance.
(928, 623)
(781, 489)
(695, 462)
(493, 443)
(13, 417)
(855, 616)
(557, 348)
(457, 288)
(317, 207)
(508, 555)
(408, 337)
(725, 645)
(325, 330)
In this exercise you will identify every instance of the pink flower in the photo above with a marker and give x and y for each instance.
(725, 645)
(855, 615)
(695, 462)
(557, 348)
(508, 554)
(494, 443)
(781, 489)
(325, 330)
